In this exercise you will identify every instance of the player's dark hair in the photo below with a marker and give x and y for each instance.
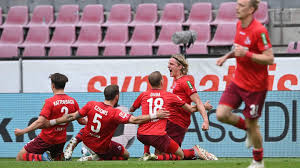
(59, 80)
(111, 91)
(155, 78)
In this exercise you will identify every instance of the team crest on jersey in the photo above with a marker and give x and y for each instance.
(247, 41)
(190, 85)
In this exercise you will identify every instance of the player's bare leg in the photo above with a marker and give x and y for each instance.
(256, 139)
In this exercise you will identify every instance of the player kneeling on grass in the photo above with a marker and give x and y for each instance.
(103, 120)
(51, 138)
(153, 133)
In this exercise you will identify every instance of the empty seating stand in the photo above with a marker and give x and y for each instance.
(224, 35)
(145, 14)
(141, 50)
(34, 51)
(60, 50)
(63, 35)
(116, 34)
(262, 13)
(114, 50)
(166, 33)
(87, 50)
(168, 49)
(200, 13)
(89, 35)
(37, 35)
(293, 47)
(8, 51)
(172, 13)
(142, 34)
(12, 36)
(42, 15)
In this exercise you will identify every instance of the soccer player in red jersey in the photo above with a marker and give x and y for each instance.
(53, 138)
(103, 120)
(154, 133)
(253, 53)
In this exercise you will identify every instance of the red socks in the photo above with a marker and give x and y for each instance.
(241, 124)
(32, 157)
(167, 157)
(147, 149)
(258, 154)
(189, 154)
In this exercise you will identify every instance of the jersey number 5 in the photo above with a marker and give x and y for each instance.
(96, 120)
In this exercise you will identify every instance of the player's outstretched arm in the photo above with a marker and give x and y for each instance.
(39, 123)
(221, 60)
(132, 109)
(196, 99)
(161, 113)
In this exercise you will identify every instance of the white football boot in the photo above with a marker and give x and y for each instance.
(256, 164)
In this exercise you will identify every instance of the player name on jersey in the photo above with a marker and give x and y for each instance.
(58, 102)
(155, 95)
(97, 108)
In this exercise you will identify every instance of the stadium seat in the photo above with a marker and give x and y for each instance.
(34, 51)
(172, 13)
(63, 35)
(92, 14)
(224, 35)
(60, 50)
(293, 47)
(37, 35)
(12, 35)
(165, 36)
(16, 16)
(145, 14)
(119, 14)
(226, 14)
(42, 15)
(114, 50)
(87, 50)
(168, 49)
(116, 34)
(262, 13)
(140, 50)
(203, 32)
(142, 34)
(200, 13)
(8, 51)
(0, 16)
(197, 48)
(89, 34)
(67, 15)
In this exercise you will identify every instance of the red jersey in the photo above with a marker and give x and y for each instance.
(103, 121)
(151, 101)
(250, 75)
(183, 87)
(56, 107)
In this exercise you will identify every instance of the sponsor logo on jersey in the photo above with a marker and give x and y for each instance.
(190, 85)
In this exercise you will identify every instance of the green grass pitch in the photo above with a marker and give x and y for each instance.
(134, 163)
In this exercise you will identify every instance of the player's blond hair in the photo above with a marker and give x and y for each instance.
(181, 61)
(254, 4)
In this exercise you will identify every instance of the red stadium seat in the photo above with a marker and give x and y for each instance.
(12, 35)
(116, 34)
(165, 36)
(224, 35)
(37, 35)
(226, 13)
(63, 35)
(87, 50)
(262, 13)
(114, 50)
(145, 14)
(42, 15)
(141, 49)
(197, 48)
(92, 14)
(168, 49)
(89, 34)
(203, 32)
(16, 16)
(200, 13)
(0, 16)
(68, 15)
(34, 50)
(60, 50)
(142, 34)
(172, 13)
(119, 14)
(7, 51)
(293, 47)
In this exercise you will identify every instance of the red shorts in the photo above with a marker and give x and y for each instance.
(175, 132)
(159, 142)
(254, 101)
(38, 146)
(115, 149)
